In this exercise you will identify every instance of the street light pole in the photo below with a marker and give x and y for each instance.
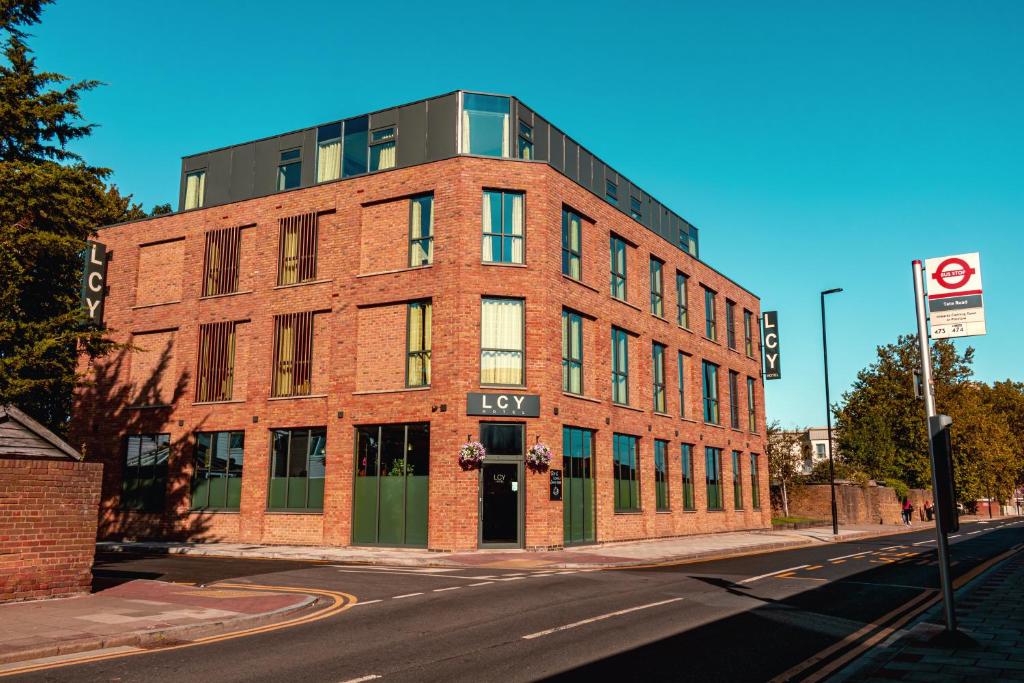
(828, 414)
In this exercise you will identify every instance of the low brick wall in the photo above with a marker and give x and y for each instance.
(855, 504)
(48, 513)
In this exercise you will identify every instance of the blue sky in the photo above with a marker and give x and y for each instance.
(815, 144)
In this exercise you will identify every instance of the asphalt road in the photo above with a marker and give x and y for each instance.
(741, 619)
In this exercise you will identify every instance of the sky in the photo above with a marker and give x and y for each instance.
(815, 144)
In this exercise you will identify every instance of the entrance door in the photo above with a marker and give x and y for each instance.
(578, 486)
(500, 506)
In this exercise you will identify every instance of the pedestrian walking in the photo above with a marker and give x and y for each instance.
(929, 510)
(908, 509)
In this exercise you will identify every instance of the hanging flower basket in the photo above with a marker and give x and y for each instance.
(538, 457)
(471, 455)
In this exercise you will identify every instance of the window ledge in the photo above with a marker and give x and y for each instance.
(215, 403)
(688, 419)
(712, 424)
(661, 318)
(661, 414)
(271, 511)
(629, 512)
(502, 264)
(713, 341)
(371, 392)
(737, 430)
(221, 296)
(512, 387)
(162, 303)
(150, 405)
(303, 284)
(395, 270)
(684, 329)
(212, 511)
(582, 397)
(690, 512)
(663, 512)
(626, 303)
(293, 398)
(627, 407)
(581, 283)
(736, 351)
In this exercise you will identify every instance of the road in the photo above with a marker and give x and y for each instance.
(739, 619)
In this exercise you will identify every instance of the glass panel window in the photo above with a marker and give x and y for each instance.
(578, 485)
(421, 230)
(501, 342)
(734, 399)
(485, 125)
(684, 239)
(502, 439)
(328, 152)
(620, 366)
(737, 481)
(382, 149)
(503, 226)
(215, 372)
(144, 482)
(627, 486)
(661, 475)
(618, 261)
(297, 249)
(390, 504)
(658, 376)
(713, 476)
(682, 301)
(217, 472)
(572, 352)
(298, 461)
(657, 289)
(611, 192)
(356, 144)
(710, 321)
(751, 405)
(195, 189)
(418, 354)
(686, 466)
(730, 323)
(755, 483)
(748, 333)
(683, 372)
(635, 209)
(572, 226)
(289, 170)
(293, 354)
(710, 384)
(525, 141)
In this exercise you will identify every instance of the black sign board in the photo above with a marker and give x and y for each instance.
(556, 484)
(772, 359)
(511, 405)
(94, 281)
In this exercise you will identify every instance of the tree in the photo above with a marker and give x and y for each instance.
(161, 209)
(51, 203)
(785, 450)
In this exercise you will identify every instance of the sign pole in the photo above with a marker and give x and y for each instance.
(929, 407)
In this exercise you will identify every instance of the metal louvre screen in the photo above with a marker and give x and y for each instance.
(296, 261)
(220, 266)
(293, 354)
(216, 362)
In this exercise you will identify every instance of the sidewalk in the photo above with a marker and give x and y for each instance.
(621, 554)
(137, 613)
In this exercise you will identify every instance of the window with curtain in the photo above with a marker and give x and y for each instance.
(658, 376)
(730, 323)
(661, 475)
(485, 120)
(382, 148)
(195, 189)
(572, 352)
(217, 473)
(216, 367)
(755, 483)
(751, 405)
(289, 170)
(682, 301)
(713, 476)
(737, 481)
(421, 230)
(293, 355)
(221, 261)
(418, 354)
(710, 321)
(297, 249)
(627, 487)
(501, 341)
(657, 289)
(710, 384)
(618, 267)
(525, 141)
(620, 366)
(734, 399)
(682, 369)
(686, 466)
(328, 152)
(144, 481)
(748, 333)
(572, 260)
(503, 226)
(298, 461)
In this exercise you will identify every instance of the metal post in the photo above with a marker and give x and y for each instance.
(828, 415)
(929, 407)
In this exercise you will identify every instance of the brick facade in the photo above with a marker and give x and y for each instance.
(363, 283)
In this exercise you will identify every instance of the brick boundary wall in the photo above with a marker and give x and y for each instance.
(48, 515)
(855, 503)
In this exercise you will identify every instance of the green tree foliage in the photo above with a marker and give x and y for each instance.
(51, 202)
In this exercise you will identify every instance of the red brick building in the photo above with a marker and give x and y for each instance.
(313, 345)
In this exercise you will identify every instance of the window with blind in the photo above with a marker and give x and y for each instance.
(713, 476)
(221, 261)
(217, 475)
(421, 230)
(293, 355)
(734, 399)
(144, 480)
(297, 249)
(710, 385)
(572, 352)
(627, 486)
(737, 481)
(298, 465)
(501, 342)
(682, 301)
(620, 366)
(216, 367)
(658, 376)
(686, 465)
(382, 148)
(657, 289)
(661, 475)
(328, 152)
(572, 259)
(618, 265)
(503, 226)
(418, 354)
(195, 189)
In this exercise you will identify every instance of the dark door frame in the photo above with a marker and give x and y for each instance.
(518, 460)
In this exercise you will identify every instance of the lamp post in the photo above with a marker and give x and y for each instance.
(828, 413)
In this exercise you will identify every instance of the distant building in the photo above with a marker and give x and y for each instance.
(810, 446)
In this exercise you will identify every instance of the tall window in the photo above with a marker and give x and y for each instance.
(713, 475)
(421, 230)
(661, 475)
(683, 362)
(525, 141)
(635, 209)
(418, 353)
(730, 323)
(710, 321)
(501, 341)
(297, 249)
(195, 189)
(620, 366)
(382, 149)
(221, 261)
(751, 406)
(657, 289)
(502, 227)
(627, 488)
(289, 169)
(710, 384)
(217, 476)
(355, 151)
(485, 125)
(328, 152)
(572, 260)
(611, 192)
(734, 399)
(618, 252)
(293, 354)
(298, 460)
(737, 481)
(145, 472)
(682, 301)
(390, 496)
(748, 333)
(572, 352)
(658, 376)
(686, 466)
(755, 483)
(215, 374)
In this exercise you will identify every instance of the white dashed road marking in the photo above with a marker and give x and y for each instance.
(781, 571)
(601, 617)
